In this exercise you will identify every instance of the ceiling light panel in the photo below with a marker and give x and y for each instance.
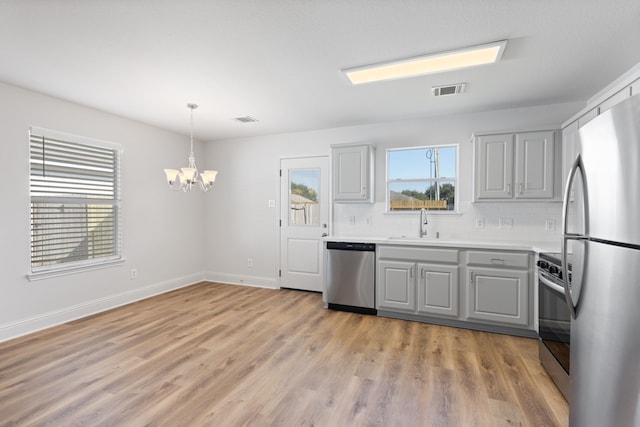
(428, 64)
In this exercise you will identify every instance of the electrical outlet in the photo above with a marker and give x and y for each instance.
(250, 262)
(479, 223)
(505, 223)
(133, 274)
(549, 225)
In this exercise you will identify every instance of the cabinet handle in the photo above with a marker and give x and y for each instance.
(508, 188)
(471, 281)
(497, 260)
(422, 273)
(411, 272)
(520, 188)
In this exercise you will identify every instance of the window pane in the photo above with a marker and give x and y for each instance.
(420, 163)
(411, 196)
(74, 190)
(304, 185)
(422, 177)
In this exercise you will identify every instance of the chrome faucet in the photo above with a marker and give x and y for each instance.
(423, 222)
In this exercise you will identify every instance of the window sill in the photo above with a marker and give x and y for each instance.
(32, 277)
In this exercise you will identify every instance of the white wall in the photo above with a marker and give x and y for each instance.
(240, 225)
(174, 239)
(163, 236)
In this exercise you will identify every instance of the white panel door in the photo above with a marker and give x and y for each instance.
(304, 215)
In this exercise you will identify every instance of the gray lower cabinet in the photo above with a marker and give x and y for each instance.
(498, 296)
(422, 288)
(395, 286)
(417, 280)
(438, 289)
(480, 289)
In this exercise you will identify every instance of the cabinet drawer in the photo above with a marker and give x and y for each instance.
(418, 254)
(498, 259)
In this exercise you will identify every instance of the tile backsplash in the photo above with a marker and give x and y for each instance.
(521, 222)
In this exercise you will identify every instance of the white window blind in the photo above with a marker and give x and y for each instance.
(75, 201)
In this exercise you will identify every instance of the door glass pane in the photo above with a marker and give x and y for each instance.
(304, 197)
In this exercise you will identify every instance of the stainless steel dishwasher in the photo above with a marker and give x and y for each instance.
(350, 283)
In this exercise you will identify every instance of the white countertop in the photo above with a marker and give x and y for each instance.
(449, 243)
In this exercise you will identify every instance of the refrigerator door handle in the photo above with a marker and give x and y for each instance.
(569, 298)
(576, 168)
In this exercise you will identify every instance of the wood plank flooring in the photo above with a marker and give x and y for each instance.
(223, 355)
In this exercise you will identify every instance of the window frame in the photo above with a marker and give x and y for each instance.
(109, 202)
(455, 179)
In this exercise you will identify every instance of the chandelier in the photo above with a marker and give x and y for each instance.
(185, 178)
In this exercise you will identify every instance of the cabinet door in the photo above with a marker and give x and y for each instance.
(438, 289)
(494, 166)
(498, 296)
(351, 173)
(396, 286)
(534, 165)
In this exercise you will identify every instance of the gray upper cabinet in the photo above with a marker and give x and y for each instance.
(534, 165)
(494, 166)
(353, 173)
(516, 166)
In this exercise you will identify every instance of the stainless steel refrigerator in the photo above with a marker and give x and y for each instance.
(601, 231)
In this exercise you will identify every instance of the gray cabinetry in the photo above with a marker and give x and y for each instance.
(353, 173)
(534, 173)
(499, 290)
(494, 166)
(438, 289)
(428, 284)
(417, 280)
(498, 296)
(516, 166)
(396, 286)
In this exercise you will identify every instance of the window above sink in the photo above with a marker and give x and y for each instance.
(422, 177)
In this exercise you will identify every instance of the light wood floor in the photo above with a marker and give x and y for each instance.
(222, 355)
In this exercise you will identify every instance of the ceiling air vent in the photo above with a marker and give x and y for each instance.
(246, 119)
(448, 89)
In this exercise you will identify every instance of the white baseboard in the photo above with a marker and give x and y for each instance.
(46, 320)
(237, 279)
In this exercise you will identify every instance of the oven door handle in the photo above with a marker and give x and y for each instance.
(550, 284)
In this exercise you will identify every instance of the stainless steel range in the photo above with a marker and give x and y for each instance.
(554, 320)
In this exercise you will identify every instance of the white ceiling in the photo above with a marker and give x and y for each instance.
(280, 60)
